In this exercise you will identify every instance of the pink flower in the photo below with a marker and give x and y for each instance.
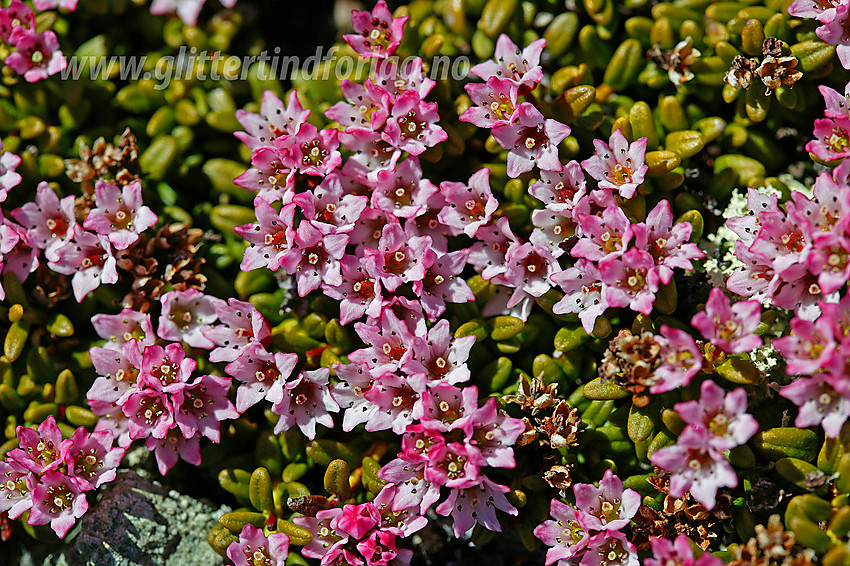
(389, 345)
(448, 408)
(202, 405)
(603, 236)
(262, 375)
(493, 434)
(37, 56)
(329, 204)
(402, 191)
(836, 103)
(379, 548)
(174, 446)
(696, 466)
(254, 548)
(378, 33)
(397, 77)
(822, 400)
(242, 324)
(15, 21)
(610, 548)
(44, 5)
(832, 138)
(829, 259)
(495, 103)
(9, 179)
(187, 10)
(186, 315)
(326, 539)
(834, 31)
(560, 191)
(812, 8)
(15, 496)
(468, 207)
(398, 401)
(565, 535)
(91, 458)
(119, 213)
(442, 282)
(521, 67)
(681, 360)
(584, 293)
(272, 175)
(166, 369)
(270, 238)
(357, 520)
(360, 290)
(723, 415)
(367, 106)
(371, 153)
(306, 402)
(607, 507)
(314, 256)
(50, 222)
(619, 166)
(678, 551)
(89, 258)
(666, 242)
(16, 253)
(442, 358)
(314, 152)
(727, 326)
(630, 280)
(149, 413)
(118, 329)
(412, 126)
(40, 451)
(118, 372)
(531, 140)
(56, 499)
(809, 348)
(453, 465)
(476, 505)
(399, 258)
(275, 119)
(529, 269)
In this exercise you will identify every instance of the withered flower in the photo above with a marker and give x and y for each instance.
(631, 361)
(740, 74)
(772, 545)
(562, 427)
(680, 515)
(533, 395)
(558, 477)
(118, 164)
(778, 70)
(676, 61)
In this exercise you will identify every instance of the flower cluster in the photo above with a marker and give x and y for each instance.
(818, 350)
(619, 263)
(717, 422)
(48, 475)
(146, 391)
(795, 256)
(834, 19)
(49, 226)
(361, 534)
(591, 533)
(37, 54)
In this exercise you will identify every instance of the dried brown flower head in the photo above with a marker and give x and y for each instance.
(777, 71)
(105, 161)
(740, 74)
(771, 545)
(680, 515)
(631, 362)
(676, 61)
(533, 395)
(562, 427)
(167, 258)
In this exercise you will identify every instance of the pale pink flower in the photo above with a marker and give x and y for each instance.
(619, 166)
(378, 33)
(729, 327)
